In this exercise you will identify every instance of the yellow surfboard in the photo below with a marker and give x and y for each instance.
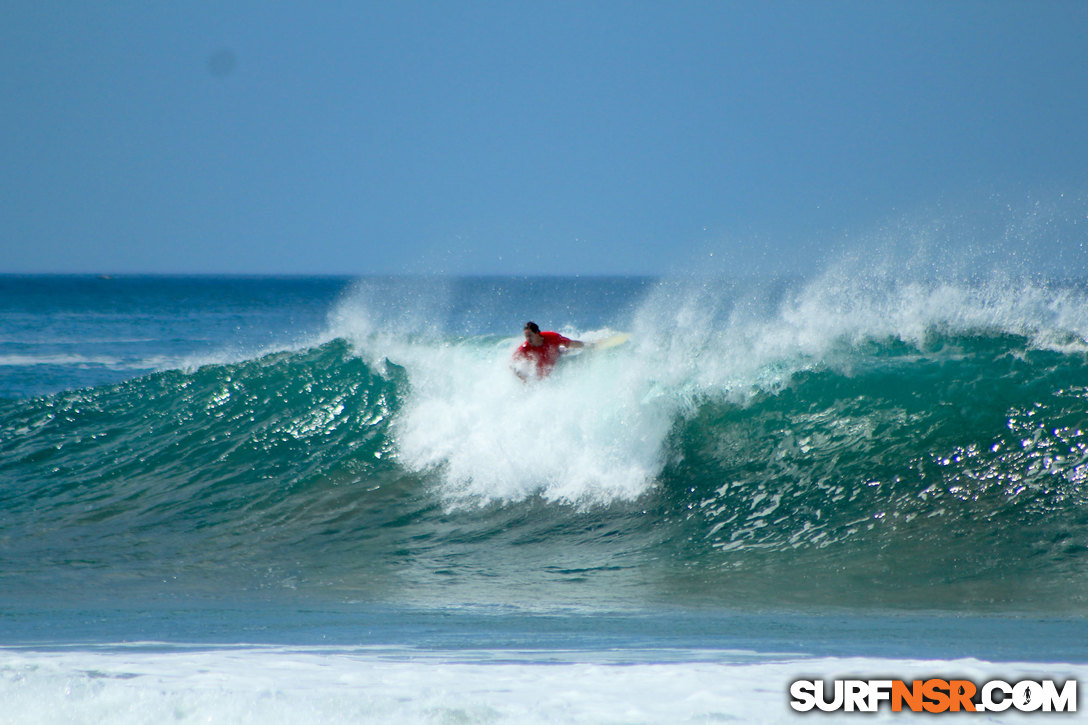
(617, 339)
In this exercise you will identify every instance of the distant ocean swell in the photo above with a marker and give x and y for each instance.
(851, 458)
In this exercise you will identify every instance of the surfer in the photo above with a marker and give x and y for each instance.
(540, 352)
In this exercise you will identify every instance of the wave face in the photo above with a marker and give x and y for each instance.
(831, 442)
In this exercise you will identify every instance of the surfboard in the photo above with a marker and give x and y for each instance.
(615, 340)
(593, 346)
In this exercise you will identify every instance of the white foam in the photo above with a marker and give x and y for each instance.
(578, 436)
(272, 685)
(61, 359)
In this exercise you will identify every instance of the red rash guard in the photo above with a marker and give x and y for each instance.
(546, 356)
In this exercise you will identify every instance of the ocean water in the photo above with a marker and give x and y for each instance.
(329, 500)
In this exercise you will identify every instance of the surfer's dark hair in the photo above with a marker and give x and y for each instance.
(532, 326)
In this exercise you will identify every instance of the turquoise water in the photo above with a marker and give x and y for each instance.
(789, 469)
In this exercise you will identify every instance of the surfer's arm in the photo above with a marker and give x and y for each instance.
(519, 365)
(567, 345)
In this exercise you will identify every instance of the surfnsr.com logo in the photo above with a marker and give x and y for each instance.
(933, 695)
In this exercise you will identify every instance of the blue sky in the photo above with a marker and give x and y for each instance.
(529, 137)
